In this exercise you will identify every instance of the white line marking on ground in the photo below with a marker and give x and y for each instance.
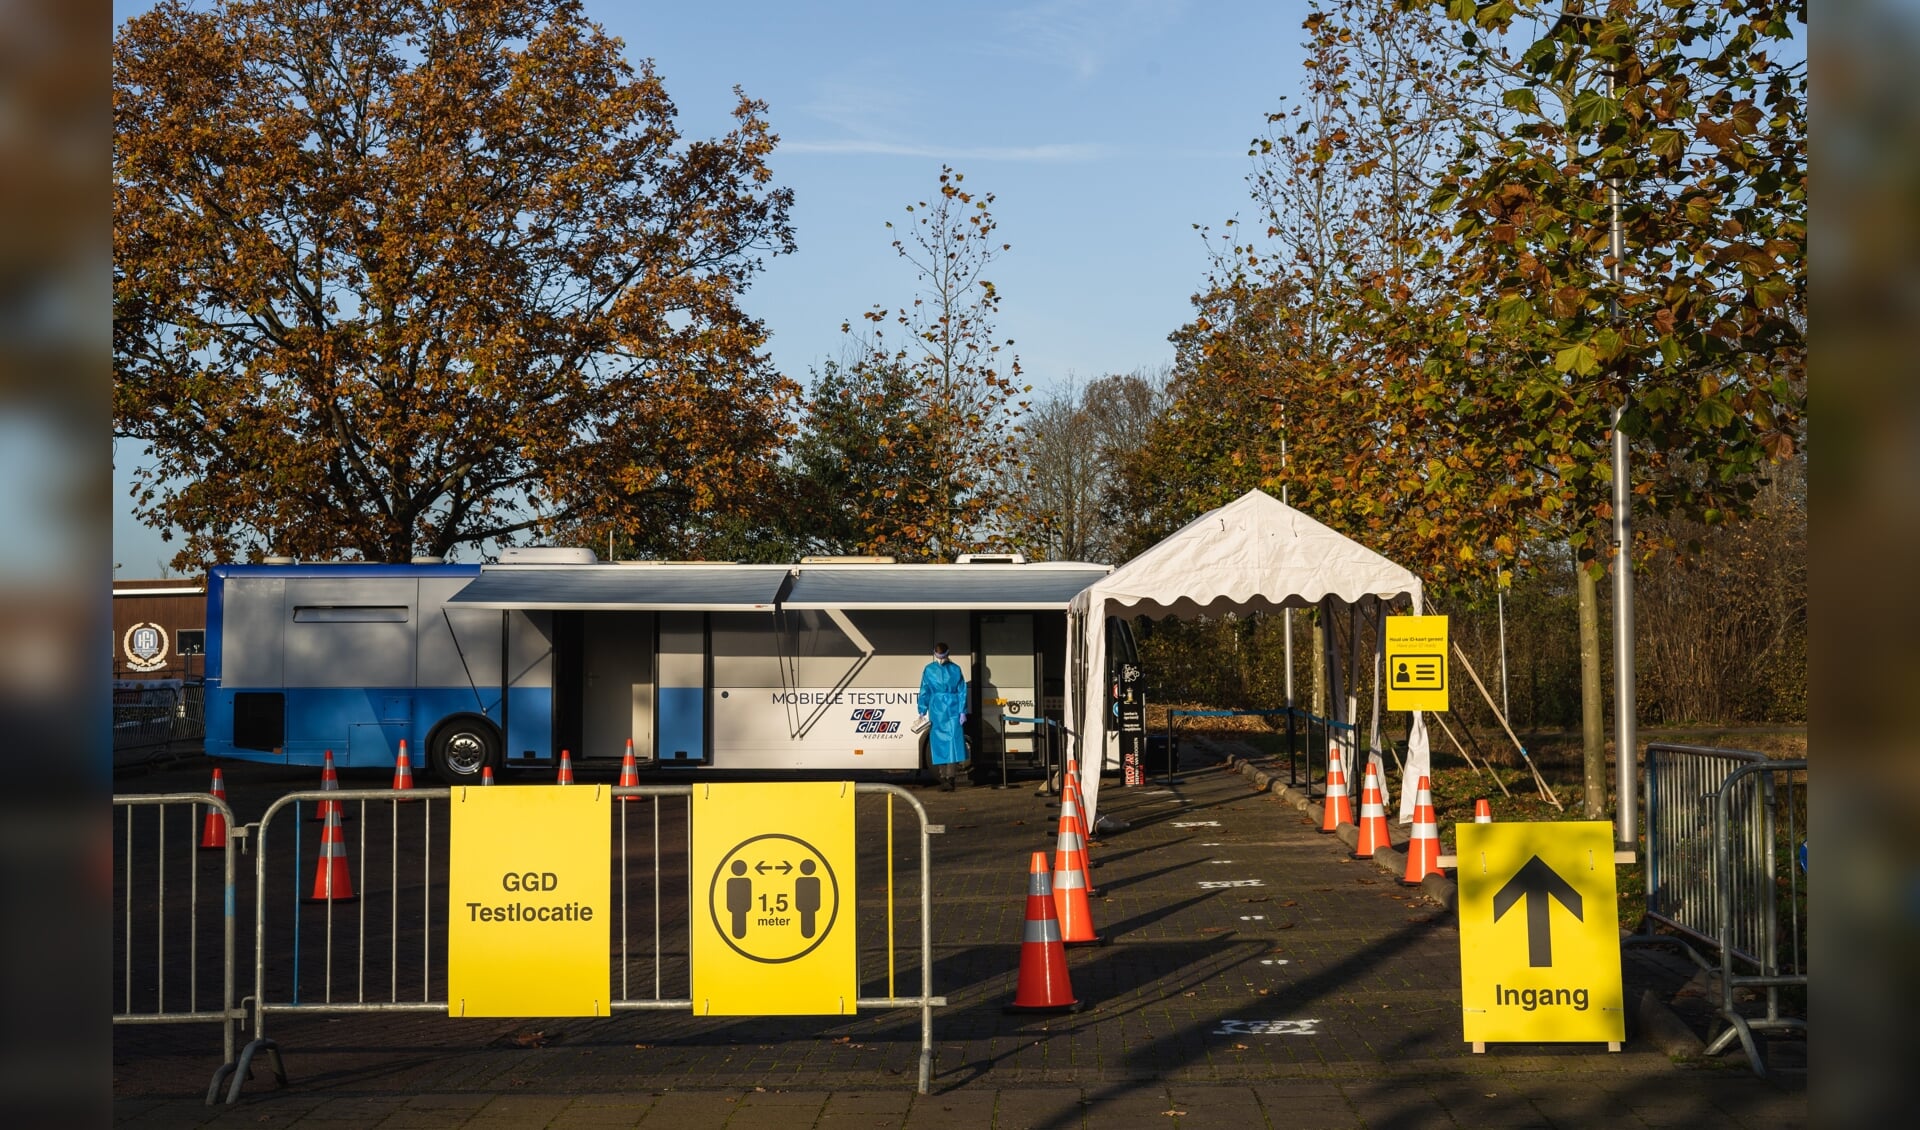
(1273, 961)
(1232, 883)
(1193, 823)
(1267, 1028)
(1253, 918)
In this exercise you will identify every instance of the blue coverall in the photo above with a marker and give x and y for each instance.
(943, 699)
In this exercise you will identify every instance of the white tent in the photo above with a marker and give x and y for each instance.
(1255, 554)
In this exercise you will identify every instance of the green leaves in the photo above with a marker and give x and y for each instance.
(1521, 99)
(1578, 359)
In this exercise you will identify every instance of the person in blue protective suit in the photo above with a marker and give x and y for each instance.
(943, 702)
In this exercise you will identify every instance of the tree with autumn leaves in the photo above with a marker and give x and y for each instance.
(1450, 390)
(912, 446)
(1435, 321)
(393, 278)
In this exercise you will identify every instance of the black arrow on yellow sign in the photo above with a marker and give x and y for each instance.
(1536, 882)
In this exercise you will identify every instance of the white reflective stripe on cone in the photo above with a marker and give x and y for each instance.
(1042, 930)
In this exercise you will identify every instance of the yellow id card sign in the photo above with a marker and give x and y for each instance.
(1539, 933)
(1416, 656)
(529, 901)
(772, 874)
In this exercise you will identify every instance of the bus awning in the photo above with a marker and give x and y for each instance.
(1009, 588)
(627, 588)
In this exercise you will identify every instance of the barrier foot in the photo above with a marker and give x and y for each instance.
(1738, 1027)
(926, 1069)
(244, 1070)
(219, 1077)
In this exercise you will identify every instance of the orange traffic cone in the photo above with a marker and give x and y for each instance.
(1086, 836)
(1043, 959)
(566, 769)
(1481, 813)
(486, 774)
(1423, 850)
(329, 782)
(213, 833)
(629, 771)
(1373, 813)
(1336, 809)
(1070, 886)
(332, 881)
(402, 771)
(1070, 787)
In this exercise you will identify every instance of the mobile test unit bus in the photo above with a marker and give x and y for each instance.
(814, 666)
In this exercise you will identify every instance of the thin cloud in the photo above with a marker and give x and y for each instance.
(1080, 35)
(1055, 154)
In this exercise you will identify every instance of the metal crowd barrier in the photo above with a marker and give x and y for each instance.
(175, 715)
(156, 951)
(1722, 827)
(1051, 765)
(1294, 715)
(390, 957)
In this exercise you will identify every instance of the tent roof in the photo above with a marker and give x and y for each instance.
(1256, 553)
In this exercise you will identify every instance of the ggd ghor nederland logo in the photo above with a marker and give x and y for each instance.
(873, 722)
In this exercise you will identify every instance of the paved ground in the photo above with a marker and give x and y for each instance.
(1327, 995)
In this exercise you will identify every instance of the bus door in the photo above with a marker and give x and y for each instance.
(1008, 670)
(681, 708)
(617, 673)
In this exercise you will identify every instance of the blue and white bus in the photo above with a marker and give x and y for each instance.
(715, 666)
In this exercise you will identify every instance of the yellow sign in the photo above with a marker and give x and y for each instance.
(1539, 933)
(772, 869)
(1416, 663)
(528, 895)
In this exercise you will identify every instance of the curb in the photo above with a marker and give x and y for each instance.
(1655, 1020)
(1663, 1028)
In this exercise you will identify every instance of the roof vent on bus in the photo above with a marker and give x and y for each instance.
(547, 555)
(428, 559)
(991, 559)
(848, 559)
(276, 559)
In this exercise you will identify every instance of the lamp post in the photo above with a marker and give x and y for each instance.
(1286, 614)
(1625, 737)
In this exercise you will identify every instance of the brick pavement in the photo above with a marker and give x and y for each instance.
(1328, 995)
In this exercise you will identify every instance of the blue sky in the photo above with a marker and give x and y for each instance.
(1105, 128)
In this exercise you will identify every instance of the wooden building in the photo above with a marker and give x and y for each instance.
(159, 629)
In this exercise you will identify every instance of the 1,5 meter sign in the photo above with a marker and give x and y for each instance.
(529, 888)
(773, 896)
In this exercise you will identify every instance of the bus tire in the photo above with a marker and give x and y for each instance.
(461, 747)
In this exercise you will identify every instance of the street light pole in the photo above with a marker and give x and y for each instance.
(1625, 739)
(1286, 614)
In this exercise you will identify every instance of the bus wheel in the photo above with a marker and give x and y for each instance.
(461, 748)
